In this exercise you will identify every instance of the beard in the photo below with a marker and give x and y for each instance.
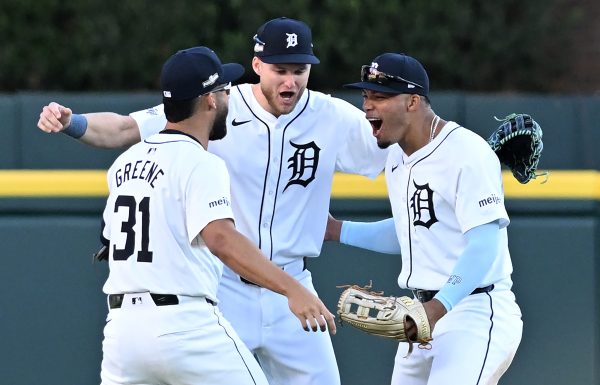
(276, 106)
(219, 129)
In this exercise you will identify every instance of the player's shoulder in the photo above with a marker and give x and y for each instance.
(476, 148)
(206, 165)
(193, 159)
(155, 111)
(199, 155)
(240, 92)
(322, 101)
(214, 159)
(241, 98)
(466, 136)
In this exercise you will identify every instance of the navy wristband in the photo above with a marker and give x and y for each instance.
(77, 127)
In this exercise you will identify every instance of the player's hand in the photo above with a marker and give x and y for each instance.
(410, 328)
(435, 310)
(54, 118)
(311, 312)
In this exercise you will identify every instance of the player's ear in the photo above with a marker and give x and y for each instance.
(414, 101)
(256, 65)
(208, 101)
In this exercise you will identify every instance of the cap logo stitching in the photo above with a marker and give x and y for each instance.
(211, 80)
(292, 40)
(167, 94)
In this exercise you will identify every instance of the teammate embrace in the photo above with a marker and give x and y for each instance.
(283, 145)
(281, 153)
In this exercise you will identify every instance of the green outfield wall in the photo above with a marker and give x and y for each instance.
(570, 125)
(52, 192)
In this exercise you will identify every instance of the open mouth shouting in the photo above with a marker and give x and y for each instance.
(288, 97)
(375, 124)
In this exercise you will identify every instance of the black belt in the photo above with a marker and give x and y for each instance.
(116, 300)
(253, 284)
(427, 295)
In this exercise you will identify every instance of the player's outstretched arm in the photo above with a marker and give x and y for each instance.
(101, 129)
(377, 236)
(243, 257)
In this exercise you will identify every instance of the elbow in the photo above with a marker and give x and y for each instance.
(217, 236)
(217, 244)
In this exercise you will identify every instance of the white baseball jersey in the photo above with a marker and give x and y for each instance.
(437, 194)
(163, 192)
(282, 167)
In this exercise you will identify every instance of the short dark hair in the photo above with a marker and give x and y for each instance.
(178, 110)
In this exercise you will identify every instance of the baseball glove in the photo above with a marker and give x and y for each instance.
(518, 144)
(376, 314)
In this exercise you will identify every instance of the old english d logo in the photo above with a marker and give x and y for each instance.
(303, 163)
(422, 205)
(292, 40)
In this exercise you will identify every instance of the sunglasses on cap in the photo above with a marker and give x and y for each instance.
(223, 87)
(371, 74)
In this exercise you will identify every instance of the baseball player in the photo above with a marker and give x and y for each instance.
(449, 222)
(169, 228)
(284, 144)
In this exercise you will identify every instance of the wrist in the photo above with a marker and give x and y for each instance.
(337, 230)
(434, 310)
(332, 232)
(443, 301)
(76, 127)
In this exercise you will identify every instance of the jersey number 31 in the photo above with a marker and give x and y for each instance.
(143, 255)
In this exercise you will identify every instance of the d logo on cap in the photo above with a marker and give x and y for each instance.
(292, 40)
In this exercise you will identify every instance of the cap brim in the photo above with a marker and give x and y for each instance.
(232, 72)
(374, 87)
(290, 59)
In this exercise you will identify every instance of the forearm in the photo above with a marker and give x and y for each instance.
(110, 130)
(377, 236)
(243, 257)
(472, 265)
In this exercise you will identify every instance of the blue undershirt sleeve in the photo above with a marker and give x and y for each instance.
(377, 236)
(472, 265)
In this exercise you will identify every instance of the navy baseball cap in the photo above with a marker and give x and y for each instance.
(284, 41)
(393, 73)
(196, 71)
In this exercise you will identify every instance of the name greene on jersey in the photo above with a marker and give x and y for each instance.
(141, 169)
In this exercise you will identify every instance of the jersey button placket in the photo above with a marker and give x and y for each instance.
(271, 188)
